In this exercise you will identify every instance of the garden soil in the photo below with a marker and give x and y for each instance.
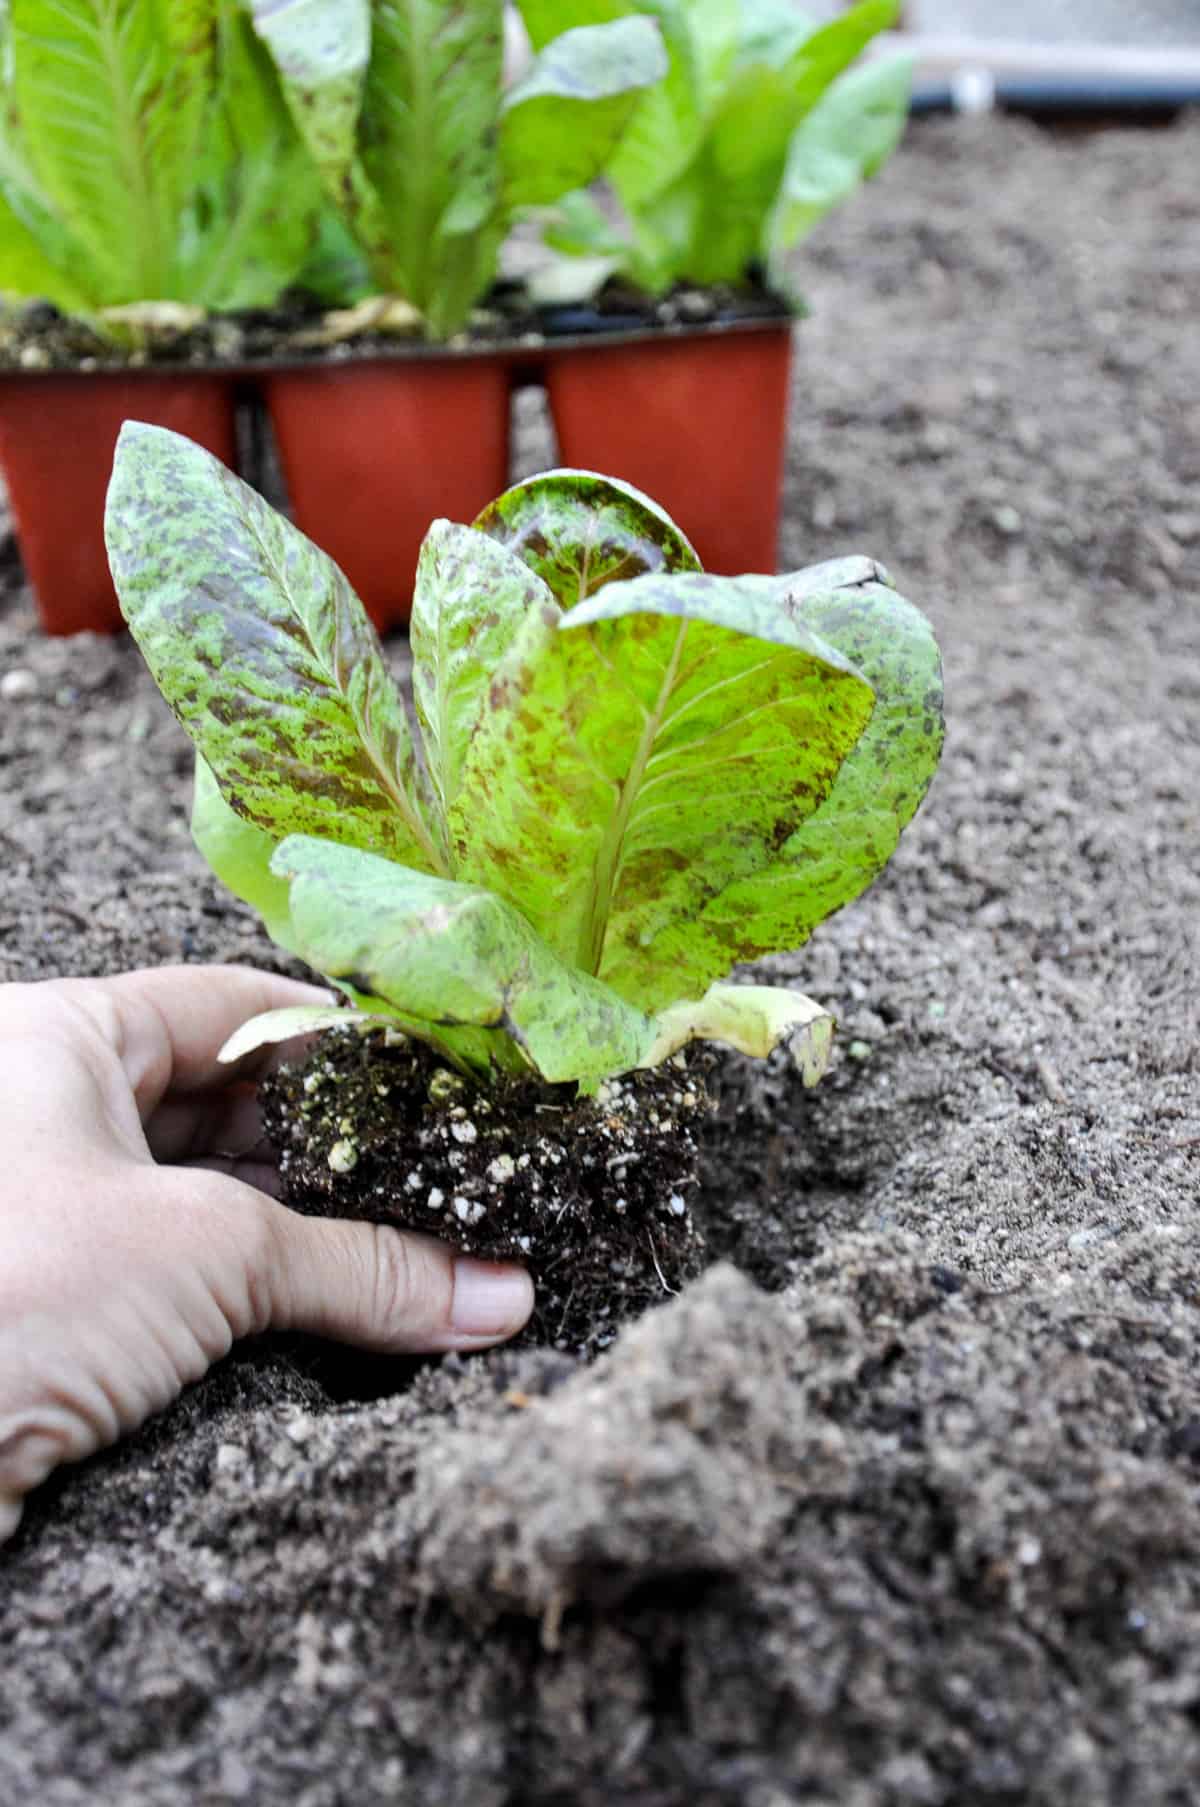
(896, 1503)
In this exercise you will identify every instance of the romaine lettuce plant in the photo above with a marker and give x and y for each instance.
(758, 131)
(624, 776)
(422, 151)
(146, 155)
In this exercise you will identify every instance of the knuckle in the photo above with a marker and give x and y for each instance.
(264, 1267)
(411, 1291)
(241, 1252)
(72, 1012)
(393, 1285)
(93, 1010)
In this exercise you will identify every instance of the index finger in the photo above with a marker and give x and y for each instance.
(166, 1024)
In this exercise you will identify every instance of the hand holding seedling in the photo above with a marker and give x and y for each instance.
(138, 1239)
(614, 777)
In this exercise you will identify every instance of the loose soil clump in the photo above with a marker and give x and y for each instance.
(592, 1195)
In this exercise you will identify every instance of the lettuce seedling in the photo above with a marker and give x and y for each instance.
(760, 128)
(146, 155)
(424, 154)
(624, 776)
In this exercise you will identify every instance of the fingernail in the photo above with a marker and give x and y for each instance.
(489, 1299)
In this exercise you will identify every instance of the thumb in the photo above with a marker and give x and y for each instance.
(390, 1290)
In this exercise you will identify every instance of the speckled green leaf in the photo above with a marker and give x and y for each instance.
(271, 1027)
(472, 597)
(754, 1019)
(453, 956)
(482, 1053)
(579, 531)
(835, 853)
(563, 121)
(264, 653)
(321, 49)
(671, 739)
(239, 853)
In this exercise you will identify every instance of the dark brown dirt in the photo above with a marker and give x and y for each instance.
(919, 1528)
(591, 1194)
(35, 336)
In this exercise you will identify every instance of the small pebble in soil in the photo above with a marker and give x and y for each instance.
(18, 685)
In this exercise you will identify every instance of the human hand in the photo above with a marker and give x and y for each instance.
(123, 1279)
